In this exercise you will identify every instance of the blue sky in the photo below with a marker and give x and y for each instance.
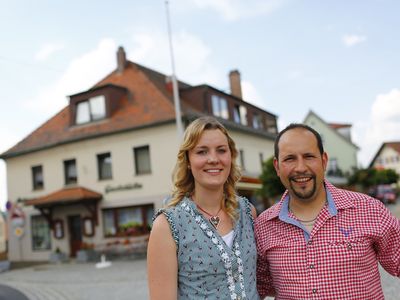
(339, 58)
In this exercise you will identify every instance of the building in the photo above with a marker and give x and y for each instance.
(387, 157)
(342, 152)
(94, 173)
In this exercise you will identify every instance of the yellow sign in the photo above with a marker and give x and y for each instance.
(18, 231)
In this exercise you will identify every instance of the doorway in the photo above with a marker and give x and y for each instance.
(75, 234)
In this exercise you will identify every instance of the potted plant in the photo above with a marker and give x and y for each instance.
(86, 253)
(57, 256)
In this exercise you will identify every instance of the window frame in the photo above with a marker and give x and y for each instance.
(143, 229)
(101, 157)
(43, 222)
(219, 106)
(37, 185)
(91, 114)
(136, 160)
(68, 179)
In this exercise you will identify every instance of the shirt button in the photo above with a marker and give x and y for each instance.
(309, 242)
(314, 291)
(349, 246)
(311, 266)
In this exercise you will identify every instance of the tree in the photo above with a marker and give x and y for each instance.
(271, 184)
(370, 177)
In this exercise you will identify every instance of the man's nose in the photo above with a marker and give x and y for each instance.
(300, 165)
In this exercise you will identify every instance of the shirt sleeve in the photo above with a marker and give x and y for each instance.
(388, 245)
(264, 279)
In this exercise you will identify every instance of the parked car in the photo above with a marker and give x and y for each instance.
(385, 193)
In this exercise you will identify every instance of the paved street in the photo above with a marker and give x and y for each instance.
(122, 281)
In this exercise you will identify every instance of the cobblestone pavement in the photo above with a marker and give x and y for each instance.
(122, 281)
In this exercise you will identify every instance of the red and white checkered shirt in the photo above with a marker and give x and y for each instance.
(338, 259)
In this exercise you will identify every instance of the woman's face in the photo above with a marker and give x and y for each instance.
(210, 160)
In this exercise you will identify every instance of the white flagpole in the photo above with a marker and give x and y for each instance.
(175, 90)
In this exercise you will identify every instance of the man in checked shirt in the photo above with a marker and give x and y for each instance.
(321, 242)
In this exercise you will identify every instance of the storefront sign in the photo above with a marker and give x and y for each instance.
(122, 187)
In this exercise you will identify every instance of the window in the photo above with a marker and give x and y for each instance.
(40, 233)
(219, 107)
(37, 177)
(128, 221)
(241, 157)
(90, 110)
(270, 125)
(142, 160)
(243, 115)
(240, 114)
(70, 173)
(104, 166)
(257, 122)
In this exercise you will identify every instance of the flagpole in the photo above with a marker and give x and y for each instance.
(175, 89)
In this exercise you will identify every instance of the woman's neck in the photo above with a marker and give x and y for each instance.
(211, 200)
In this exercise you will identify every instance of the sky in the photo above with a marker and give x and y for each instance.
(338, 58)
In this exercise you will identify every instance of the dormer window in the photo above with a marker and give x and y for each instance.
(240, 114)
(219, 107)
(257, 123)
(91, 110)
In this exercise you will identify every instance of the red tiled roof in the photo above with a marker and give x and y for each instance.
(150, 103)
(65, 196)
(338, 125)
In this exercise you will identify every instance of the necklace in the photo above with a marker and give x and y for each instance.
(304, 221)
(213, 219)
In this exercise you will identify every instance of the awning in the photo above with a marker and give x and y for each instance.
(249, 183)
(67, 196)
(64, 197)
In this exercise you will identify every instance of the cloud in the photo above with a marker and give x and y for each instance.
(80, 75)
(383, 126)
(47, 50)
(251, 95)
(232, 10)
(351, 40)
(191, 56)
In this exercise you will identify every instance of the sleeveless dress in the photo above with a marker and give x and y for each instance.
(207, 267)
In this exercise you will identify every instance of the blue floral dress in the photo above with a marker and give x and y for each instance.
(207, 267)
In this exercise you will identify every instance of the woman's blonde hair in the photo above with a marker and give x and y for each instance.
(182, 176)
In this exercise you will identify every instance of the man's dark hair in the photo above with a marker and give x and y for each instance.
(302, 126)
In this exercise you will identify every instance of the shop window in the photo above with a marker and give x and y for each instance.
(91, 110)
(70, 173)
(37, 177)
(40, 234)
(142, 160)
(127, 221)
(104, 166)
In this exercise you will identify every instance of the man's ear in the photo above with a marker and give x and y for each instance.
(276, 166)
(324, 160)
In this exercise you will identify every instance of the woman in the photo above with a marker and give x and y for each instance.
(202, 245)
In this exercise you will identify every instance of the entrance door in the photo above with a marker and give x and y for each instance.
(75, 233)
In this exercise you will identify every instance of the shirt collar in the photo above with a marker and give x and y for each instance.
(334, 197)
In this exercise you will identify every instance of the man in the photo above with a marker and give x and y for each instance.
(321, 242)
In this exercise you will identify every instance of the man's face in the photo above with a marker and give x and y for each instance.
(300, 166)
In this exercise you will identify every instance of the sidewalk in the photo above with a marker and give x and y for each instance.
(122, 281)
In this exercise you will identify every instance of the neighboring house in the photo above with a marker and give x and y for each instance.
(387, 157)
(95, 172)
(342, 152)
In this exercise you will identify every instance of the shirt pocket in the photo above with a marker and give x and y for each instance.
(350, 250)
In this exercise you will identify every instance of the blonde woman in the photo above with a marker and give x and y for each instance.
(202, 245)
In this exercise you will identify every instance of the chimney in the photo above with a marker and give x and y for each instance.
(121, 60)
(234, 80)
